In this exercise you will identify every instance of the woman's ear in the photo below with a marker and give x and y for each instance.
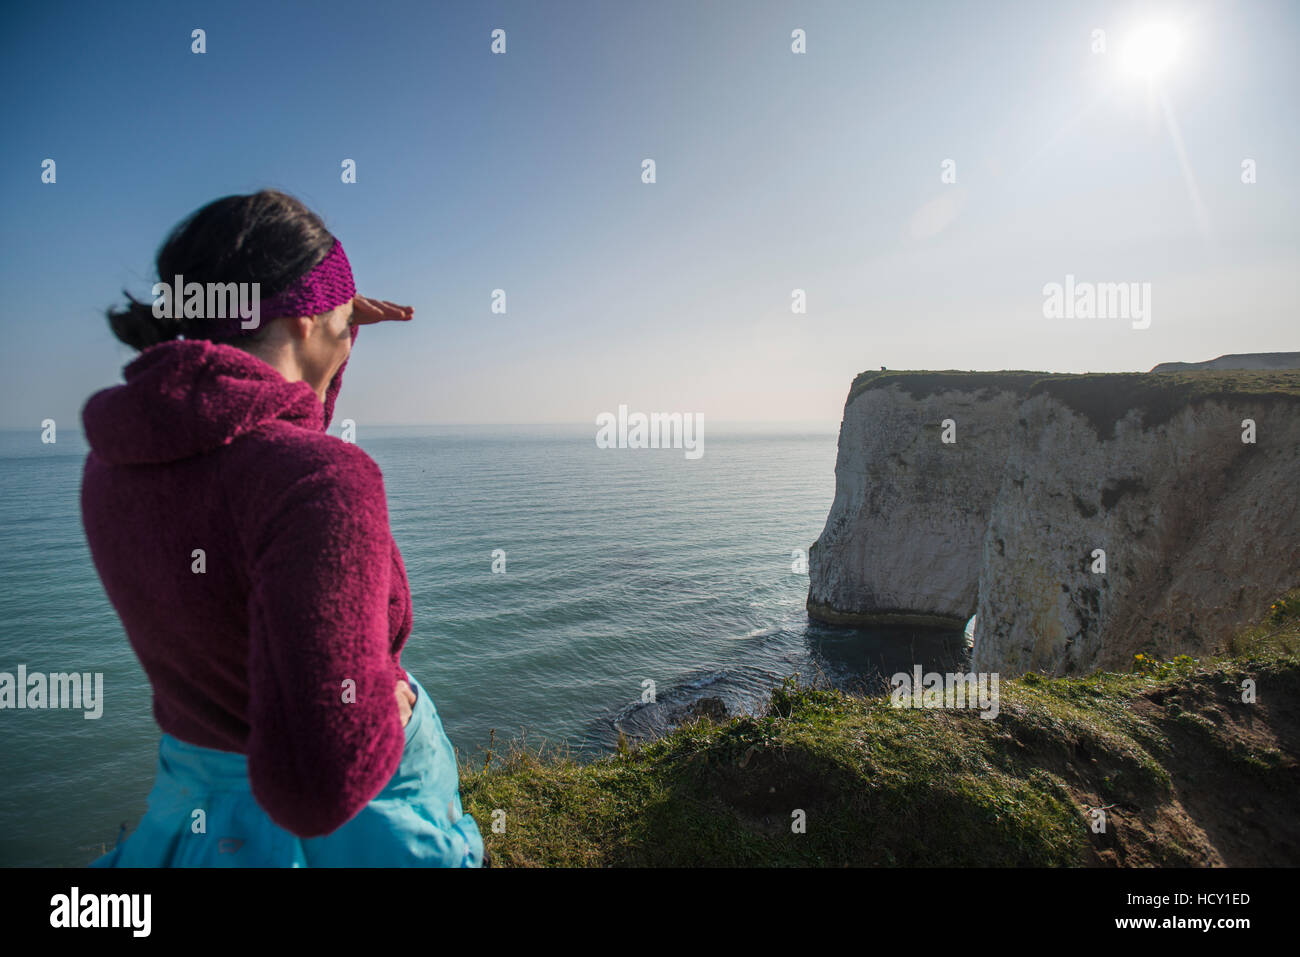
(300, 327)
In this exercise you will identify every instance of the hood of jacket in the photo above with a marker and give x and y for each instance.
(188, 396)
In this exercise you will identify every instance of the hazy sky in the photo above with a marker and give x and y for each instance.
(776, 171)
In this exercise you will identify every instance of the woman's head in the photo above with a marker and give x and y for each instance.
(268, 238)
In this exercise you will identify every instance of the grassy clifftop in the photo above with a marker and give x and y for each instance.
(919, 384)
(1104, 397)
(1184, 771)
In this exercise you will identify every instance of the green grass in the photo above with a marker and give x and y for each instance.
(920, 385)
(889, 786)
(1103, 398)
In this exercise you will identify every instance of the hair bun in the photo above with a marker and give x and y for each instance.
(139, 328)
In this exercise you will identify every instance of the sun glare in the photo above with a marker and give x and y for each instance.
(1151, 49)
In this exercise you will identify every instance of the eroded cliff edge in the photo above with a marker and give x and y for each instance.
(1200, 529)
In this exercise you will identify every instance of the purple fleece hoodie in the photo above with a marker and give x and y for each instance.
(304, 595)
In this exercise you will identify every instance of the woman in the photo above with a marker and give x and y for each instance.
(249, 556)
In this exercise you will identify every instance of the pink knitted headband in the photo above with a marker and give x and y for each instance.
(328, 285)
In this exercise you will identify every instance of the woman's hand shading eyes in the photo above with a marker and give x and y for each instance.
(366, 311)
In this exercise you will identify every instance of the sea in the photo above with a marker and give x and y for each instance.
(563, 594)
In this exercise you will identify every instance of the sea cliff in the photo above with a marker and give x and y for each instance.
(1085, 518)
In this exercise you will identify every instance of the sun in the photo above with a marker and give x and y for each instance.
(1151, 50)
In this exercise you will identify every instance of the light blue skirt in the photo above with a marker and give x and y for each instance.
(415, 821)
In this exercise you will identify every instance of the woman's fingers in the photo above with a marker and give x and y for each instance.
(405, 701)
(366, 311)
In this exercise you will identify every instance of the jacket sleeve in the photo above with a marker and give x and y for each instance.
(325, 734)
(336, 383)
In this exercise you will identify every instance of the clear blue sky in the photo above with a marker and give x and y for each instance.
(776, 171)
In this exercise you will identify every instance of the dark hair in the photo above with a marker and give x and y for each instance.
(267, 237)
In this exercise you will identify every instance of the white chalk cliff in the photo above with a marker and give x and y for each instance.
(1200, 529)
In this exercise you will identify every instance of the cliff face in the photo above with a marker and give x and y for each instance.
(903, 541)
(1200, 530)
